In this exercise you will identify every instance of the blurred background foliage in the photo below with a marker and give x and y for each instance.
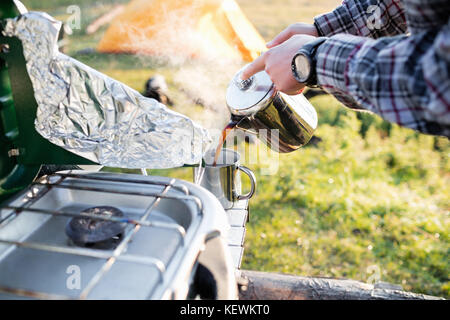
(367, 200)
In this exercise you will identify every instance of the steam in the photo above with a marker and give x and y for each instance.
(201, 71)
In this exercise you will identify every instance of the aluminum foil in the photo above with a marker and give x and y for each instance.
(97, 117)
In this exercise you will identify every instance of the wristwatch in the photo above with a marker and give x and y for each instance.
(304, 62)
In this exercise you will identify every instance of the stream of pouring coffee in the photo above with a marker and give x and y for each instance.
(201, 170)
(228, 128)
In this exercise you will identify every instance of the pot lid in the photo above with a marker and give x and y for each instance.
(249, 96)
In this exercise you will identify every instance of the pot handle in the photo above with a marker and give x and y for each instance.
(252, 177)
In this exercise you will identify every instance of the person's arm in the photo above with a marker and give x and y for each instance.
(366, 18)
(404, 79)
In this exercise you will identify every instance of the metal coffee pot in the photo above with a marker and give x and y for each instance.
(255, 104)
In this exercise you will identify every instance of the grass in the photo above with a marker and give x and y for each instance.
(370, 201)
(351, 203)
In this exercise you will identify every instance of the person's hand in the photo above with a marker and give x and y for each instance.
(277, 63)
(293, 29)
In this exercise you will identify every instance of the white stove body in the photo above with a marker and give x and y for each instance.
(172, 227)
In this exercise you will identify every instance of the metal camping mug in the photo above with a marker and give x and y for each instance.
(224, 179)
(257, 106)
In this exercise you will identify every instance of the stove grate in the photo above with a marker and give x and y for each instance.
(41, 187)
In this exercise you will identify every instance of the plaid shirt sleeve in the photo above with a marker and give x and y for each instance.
(366, 18)
(405, 79)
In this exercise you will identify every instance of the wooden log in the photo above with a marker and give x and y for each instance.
(272, 286)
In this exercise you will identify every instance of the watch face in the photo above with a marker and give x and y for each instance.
(303, 67)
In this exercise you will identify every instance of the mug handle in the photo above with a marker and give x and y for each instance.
(252, 177)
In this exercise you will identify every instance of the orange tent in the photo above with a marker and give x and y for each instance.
(194, 28)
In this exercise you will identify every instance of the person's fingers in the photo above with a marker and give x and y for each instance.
(280, 38)
(256, 66)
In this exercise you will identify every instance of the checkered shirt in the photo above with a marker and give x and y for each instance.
(390, 57)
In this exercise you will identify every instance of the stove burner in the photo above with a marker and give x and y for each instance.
(102, 234)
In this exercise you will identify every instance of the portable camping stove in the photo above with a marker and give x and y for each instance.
(147, 243)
